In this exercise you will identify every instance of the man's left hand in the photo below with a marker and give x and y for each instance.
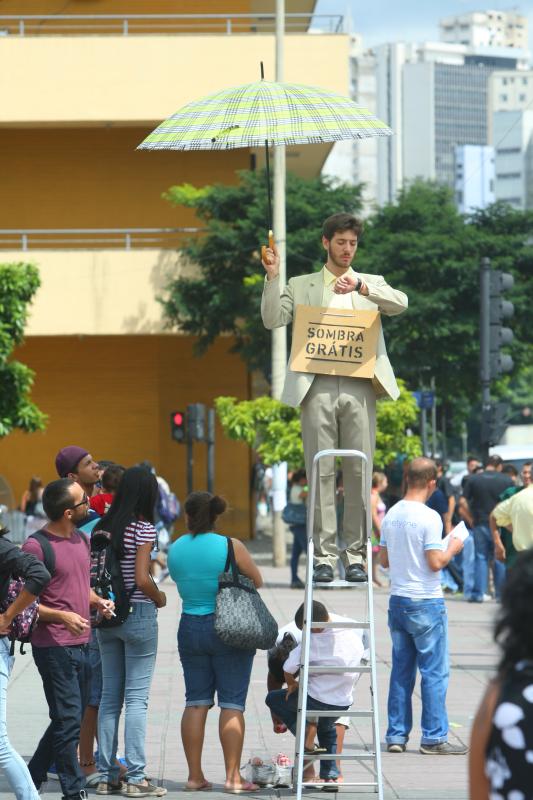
(106, 607)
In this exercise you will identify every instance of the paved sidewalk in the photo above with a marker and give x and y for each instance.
(407, 776)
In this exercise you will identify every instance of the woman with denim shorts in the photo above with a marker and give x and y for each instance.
(195, 561)
(128, 651)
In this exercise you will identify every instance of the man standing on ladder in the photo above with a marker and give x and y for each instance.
(336, 412)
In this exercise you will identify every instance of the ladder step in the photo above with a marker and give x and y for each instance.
(325, 670)
(363, 713)
(368, 784)
(362, 755)
(355, 624)
(340, 584)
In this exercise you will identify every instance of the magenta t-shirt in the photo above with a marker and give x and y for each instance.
(67, 591)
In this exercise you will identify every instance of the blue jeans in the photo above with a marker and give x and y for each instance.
(95, 662)
(299, 546)
(484, 553)
(65, 673)
(466, 560)
(128, 654)
(211, 666)
(11, 763)
(419, 631)
(287, 710)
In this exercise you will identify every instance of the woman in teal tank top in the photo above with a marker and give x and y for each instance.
(195, 561)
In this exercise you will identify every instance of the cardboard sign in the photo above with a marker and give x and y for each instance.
(335, 341)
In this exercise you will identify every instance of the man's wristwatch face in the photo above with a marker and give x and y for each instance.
(358, 285)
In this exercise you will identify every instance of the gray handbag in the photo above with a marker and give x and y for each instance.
(242, 620)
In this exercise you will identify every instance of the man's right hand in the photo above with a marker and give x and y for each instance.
(271, 262)
(74, 623)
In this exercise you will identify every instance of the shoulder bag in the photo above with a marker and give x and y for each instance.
(242, 619)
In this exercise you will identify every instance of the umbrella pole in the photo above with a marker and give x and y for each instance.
(269, 192)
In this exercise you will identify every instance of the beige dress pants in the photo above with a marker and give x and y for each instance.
(340, 413)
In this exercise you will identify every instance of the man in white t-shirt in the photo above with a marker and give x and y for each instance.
(411, 546)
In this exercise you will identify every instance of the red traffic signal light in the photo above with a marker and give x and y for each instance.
(177, 426)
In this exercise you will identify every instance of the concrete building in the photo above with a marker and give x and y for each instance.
(510, 112)
(474, 177)
(78, 95)
(486, 29)
(513, 145)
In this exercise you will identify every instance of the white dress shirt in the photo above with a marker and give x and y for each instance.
(332, 647)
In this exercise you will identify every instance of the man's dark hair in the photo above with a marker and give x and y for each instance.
(320, 614)
(510, 469)
(471, 458)
(57, 498)
(420, 471)
(341, 222)
(112, 477)
(494, 461)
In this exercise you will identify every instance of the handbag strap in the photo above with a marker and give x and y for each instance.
(231, 562)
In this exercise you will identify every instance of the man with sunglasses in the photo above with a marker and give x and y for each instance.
(59, 640)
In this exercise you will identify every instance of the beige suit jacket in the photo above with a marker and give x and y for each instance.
(278, 310)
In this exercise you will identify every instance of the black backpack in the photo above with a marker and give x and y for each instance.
(108, 581)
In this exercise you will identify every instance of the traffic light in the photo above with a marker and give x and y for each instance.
(500, 310)
(177, 426)
(494, 422)
(196, 421)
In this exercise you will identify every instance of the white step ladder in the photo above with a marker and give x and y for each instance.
(373, 752)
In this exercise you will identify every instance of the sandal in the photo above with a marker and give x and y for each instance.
(245, 788)
(205, 786)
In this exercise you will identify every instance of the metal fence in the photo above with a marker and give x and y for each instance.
(131, 24)
(94, 238)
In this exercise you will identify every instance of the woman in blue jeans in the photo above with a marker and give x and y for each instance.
(15, 563)
(195, 561)
(128, 651)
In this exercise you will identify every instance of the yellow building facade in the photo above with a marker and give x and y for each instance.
(82, 85)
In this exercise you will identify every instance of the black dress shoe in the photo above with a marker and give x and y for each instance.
(323, 574)
(356, 574)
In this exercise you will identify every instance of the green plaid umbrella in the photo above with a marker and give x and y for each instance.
(264, 111)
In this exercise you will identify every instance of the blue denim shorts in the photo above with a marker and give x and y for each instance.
(211, 666)
(95, 662)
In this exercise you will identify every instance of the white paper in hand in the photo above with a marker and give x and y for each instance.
(459, 532)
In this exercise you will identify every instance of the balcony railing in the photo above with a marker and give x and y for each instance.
(93, 238)
(131, 24)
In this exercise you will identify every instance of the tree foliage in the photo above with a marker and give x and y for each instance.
(273, 429)
(422, 245)
(18, 284)
(225, 298)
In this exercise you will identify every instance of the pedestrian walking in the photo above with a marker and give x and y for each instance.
(195, 561)
(336, 412)
(128, 651)
(298, 500)
(59, 640)
(411, 546)
(482, 492)
(501, 743)
(22, 566)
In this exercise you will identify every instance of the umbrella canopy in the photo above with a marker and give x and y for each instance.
(264, 112)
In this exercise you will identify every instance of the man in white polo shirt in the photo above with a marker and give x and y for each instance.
(411, 546)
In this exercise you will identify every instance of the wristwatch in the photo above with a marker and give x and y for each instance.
(358, 285)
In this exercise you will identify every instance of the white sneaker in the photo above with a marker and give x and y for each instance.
(486, 598)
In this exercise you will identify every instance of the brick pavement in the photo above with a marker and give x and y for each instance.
(408, 776)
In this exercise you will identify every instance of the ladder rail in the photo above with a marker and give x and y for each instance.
(300, 758)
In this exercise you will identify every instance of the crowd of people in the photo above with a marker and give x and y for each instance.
(93, 669)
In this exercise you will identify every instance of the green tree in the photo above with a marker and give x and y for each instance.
(225, 297)
(422, 245)
(273, 428)
(18, 284)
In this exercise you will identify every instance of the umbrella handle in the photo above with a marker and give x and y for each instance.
(271, 244)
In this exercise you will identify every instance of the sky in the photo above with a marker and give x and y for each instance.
(382, 21)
